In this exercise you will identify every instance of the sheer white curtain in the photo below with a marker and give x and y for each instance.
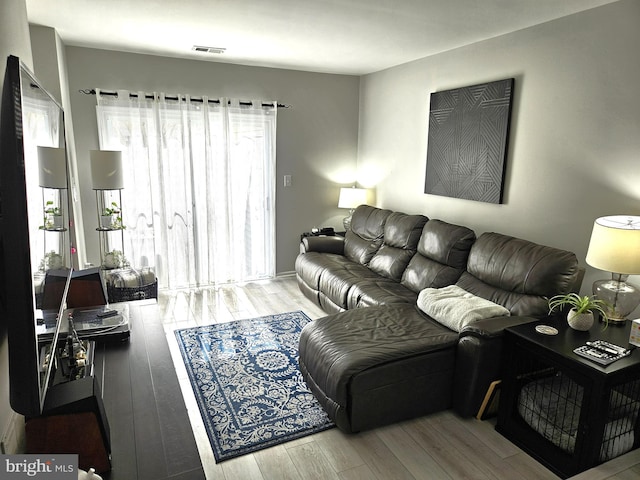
(199, 196)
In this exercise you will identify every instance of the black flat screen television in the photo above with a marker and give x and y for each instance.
(27, 382)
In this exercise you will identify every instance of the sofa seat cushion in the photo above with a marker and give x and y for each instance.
(311, 265)
(370, 293)
(336, 282)
(357, 361)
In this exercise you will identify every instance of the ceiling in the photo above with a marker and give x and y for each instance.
(352, 37)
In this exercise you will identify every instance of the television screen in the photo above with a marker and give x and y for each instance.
(24, 245)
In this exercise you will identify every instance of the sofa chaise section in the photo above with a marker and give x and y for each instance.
(371, 369)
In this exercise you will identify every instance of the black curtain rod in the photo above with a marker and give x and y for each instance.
(150, 96)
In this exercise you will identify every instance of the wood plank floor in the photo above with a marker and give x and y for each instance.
(439, 446)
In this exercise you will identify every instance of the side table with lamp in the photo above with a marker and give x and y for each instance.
(569, 411)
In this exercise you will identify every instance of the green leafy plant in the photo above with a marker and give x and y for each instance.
(581, 304)
(113, 211)
(50, 211)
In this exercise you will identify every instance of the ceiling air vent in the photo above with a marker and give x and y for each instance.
(216, 50)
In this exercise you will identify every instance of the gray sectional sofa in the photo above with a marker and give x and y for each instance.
(379, 357)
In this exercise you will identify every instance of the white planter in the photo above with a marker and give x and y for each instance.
(56, 221)
(106, 221)
(580, 321)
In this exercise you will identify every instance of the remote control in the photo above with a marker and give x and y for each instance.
(609, 347)
(602, 352)
(107, 313)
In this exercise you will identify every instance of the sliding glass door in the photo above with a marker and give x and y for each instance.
(199, 196)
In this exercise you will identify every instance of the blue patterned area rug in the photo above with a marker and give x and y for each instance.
(246, 380)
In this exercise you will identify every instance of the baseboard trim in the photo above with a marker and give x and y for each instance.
(285, 274)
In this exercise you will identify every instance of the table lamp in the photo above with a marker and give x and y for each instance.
(351, 198)
(615, 247)
(107, 175)
(52, 166)
(106, 170)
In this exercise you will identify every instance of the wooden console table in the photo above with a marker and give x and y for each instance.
(151, 436)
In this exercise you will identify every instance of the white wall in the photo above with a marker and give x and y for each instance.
(317, 136)
(574, 148)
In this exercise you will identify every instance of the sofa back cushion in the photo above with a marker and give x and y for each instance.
(442, 254)
(518, 274)
(365, 237)
(400, 241)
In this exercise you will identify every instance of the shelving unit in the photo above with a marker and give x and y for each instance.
(110, 227)
(52, 179)
(54, 227)
(123, 283)
(56, 248)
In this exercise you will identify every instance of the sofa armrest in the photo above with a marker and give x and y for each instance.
(323, 244)
(478, 361)
(493, 327)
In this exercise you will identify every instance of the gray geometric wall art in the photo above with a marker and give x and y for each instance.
(467, 146)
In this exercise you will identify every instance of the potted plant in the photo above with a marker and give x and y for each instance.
(51, 261)
(52, 216)
(580, 316)
(114, 259)
(111, 217)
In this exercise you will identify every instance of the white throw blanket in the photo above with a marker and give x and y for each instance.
(454, 307)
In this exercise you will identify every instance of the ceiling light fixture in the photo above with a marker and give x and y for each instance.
(216, 50)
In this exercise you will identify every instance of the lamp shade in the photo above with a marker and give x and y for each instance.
(52, 166)
(352, 197)
(615, 244)
(106, 170)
